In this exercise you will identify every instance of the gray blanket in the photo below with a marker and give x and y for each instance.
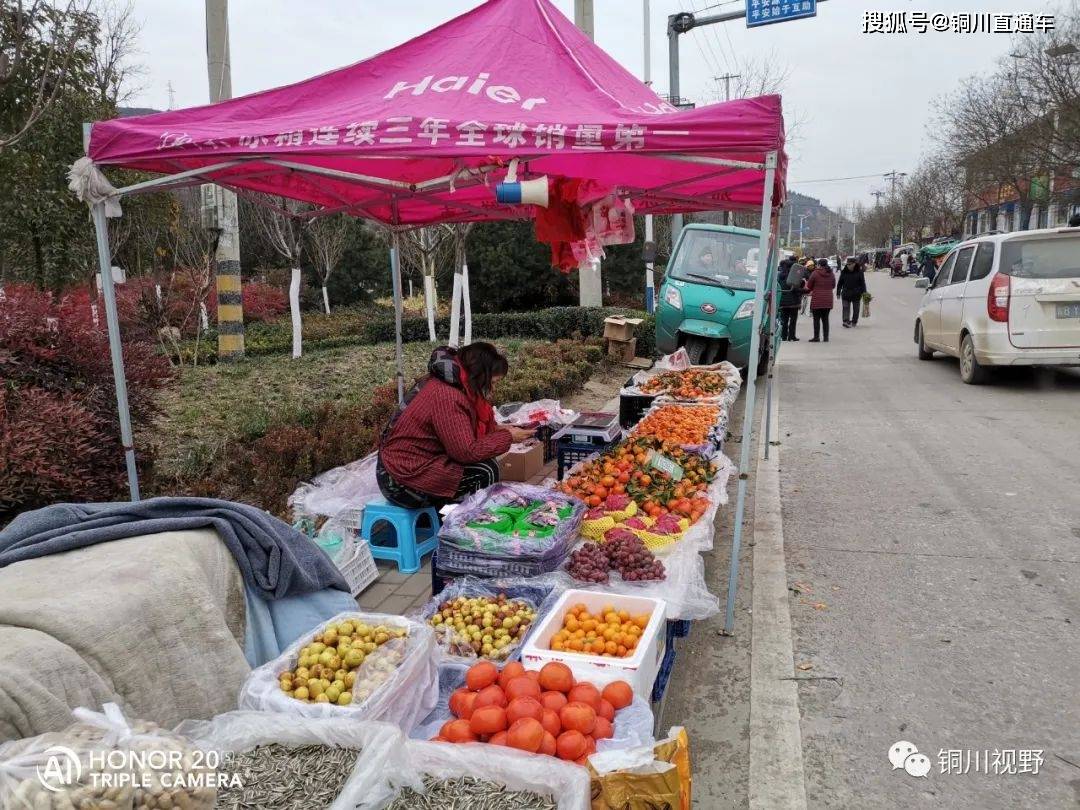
(155, 624)
(273, 558)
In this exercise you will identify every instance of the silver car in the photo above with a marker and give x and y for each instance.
(1005, 300)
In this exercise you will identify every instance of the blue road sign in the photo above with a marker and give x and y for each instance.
(766, 12)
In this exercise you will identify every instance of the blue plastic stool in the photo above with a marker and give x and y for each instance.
(410, 548)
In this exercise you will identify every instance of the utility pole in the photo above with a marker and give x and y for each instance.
(683, 23)
(801, 218)
(877, 195)
(230, 310)
(726, 79)
(172, 95)
(583, 17)
(650, 281)
(895, 177)
(590, 275)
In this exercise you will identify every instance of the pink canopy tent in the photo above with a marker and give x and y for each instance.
(419, 134)
(413, 135)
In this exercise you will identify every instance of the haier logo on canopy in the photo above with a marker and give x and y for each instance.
(502, 93)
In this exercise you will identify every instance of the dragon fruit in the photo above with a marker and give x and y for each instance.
(616, 502)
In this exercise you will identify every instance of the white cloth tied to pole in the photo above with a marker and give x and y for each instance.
(92, 187)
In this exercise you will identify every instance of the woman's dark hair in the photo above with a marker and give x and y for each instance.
(482, 362)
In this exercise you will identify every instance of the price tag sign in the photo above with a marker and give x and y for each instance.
(658, 461)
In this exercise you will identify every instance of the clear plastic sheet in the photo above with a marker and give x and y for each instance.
(539, 593)
(380, 770)
(402, 695)
(349, 487)
(566, 782)
(542, 412)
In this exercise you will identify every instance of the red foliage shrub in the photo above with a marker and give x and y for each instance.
(59, 430)
(262, 302)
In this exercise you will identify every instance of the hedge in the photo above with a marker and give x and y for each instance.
(354, 327)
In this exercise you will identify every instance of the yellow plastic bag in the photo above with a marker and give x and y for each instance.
(662, 784)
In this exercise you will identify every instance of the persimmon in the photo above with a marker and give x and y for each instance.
(578, 717)
(570, 745)
(462, 703)
(550, 721)
(586, 693)
(523, 707)
(548, 746)
(498, 739)
(526, 734)
(512, 670)
(553, 700)
(619, 694)
(522, 686)
(603, 730)
(490, 696)
(556, 676)
(481, 675)
(459, 731)
(606, 710)
(488, 720)
(534, 674)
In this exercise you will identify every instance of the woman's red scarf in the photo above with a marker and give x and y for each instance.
(485, 414)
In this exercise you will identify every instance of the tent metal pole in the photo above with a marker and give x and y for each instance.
(773, 262)
(395, 272)
(101, 230)
(751, 390)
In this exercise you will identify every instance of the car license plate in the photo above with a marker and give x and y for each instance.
(1068, 310)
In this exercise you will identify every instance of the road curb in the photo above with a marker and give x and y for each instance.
(776, 765)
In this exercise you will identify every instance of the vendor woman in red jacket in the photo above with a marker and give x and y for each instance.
(442, 446)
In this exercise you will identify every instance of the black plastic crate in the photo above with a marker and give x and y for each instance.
(570, 453)
(454, 562)
(633, 406)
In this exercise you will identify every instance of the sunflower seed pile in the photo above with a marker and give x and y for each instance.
(276, 777)
(468, 793)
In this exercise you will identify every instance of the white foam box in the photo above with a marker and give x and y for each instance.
(639, 670)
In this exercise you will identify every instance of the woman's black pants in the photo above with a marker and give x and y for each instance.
(821, 323)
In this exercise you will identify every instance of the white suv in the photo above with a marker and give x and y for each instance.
(1008, 299)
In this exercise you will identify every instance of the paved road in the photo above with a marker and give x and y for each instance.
(933, 529)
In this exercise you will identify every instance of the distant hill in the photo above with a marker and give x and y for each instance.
(820, 222)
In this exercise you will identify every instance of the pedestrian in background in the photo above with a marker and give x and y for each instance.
(850, 288)
(804, 302)
(791, 281)
(927, 268)
(820, 285)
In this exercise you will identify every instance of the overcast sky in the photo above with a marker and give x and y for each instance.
(863, 102)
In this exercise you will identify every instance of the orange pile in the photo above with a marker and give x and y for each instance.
(543, 712)
(679, 424)
(610, 633)
(689, 384)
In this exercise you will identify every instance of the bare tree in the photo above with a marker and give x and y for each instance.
(189, 280)
(326, 238)
(114, 64)
(39, 42)
(427, 249)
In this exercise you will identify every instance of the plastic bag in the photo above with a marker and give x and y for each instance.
(101, 759)
(349, 487)
(380, 771)
(517, 770)
(540, 412)
(539, 593)
(400, 678)
(644, 778)
(633, 727)
(613, 221)
(552, 523)
(451, 678)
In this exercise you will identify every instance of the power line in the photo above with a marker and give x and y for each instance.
(716, 5)
(835, 179)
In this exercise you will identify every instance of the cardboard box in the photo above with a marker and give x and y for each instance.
(622, 351)
(521, 462)
(619, 328)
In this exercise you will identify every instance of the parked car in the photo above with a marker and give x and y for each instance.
(707, 298)
(1005, 300)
